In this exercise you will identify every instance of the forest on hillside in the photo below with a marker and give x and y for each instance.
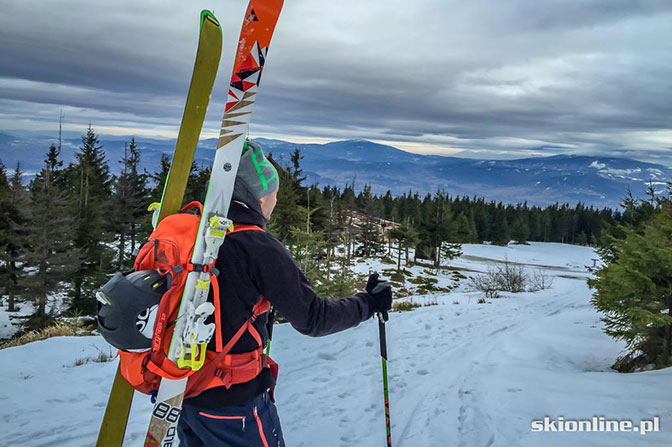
(73, 226)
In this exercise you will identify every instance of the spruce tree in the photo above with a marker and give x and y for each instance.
(159, 177)
(129, 203)
(138, 199)
(463, 229)
(288, 213)
(16, 243)
(52, 255)
(500, 232)
(334, 227)
(369, 234)
(634, 291)
(91, 190)
(6, 210)
(520, 231)
(197, 184)
(406, 236)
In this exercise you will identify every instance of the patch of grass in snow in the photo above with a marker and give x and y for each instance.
(71, 327)
(404, 306)
(102, 357)
(400, 291)
(457, 275)
(428, 285)
(433, 302)
(395, 276)
(60, 329)
(423, 280)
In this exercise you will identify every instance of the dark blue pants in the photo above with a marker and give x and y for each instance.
(255, 424)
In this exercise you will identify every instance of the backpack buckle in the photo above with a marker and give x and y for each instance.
(200, 268)
(203, 268)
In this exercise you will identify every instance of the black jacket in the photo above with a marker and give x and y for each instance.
(251, 264)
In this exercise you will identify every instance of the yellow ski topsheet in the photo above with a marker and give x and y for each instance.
(113, 427)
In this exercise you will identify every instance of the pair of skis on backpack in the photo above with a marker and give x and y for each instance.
(190, 333)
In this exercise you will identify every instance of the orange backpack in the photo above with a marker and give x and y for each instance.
(169, 249)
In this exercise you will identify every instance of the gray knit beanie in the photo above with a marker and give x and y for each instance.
(258, 174)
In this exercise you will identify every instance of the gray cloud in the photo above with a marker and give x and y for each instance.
(490, 78)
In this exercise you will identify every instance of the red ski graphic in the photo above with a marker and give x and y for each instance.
(255, 38)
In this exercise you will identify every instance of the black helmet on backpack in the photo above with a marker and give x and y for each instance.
(127, 306)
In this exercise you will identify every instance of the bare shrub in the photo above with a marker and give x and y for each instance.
(511, 277)
(505, 277)
(486, 283)
(540, 281)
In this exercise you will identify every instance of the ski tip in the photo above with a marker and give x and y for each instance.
(209, 16)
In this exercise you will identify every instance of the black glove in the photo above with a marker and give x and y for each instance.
(379, 294)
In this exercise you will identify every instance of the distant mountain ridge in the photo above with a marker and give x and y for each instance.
(593, 180)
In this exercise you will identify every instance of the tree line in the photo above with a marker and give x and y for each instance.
(72, 226)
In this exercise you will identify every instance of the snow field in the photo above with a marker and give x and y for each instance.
(464, 374)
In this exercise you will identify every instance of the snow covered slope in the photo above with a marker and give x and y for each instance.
(464, 374)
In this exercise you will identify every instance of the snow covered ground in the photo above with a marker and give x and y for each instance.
(10, 321)
(464, 374)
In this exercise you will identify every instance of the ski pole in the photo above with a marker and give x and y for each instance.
(382, 318)
(269, 328)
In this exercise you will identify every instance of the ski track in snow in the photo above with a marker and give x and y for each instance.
(467, 374)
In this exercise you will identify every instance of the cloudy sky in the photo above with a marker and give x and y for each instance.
(484, 78)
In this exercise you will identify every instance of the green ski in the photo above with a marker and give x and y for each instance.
(113, 426)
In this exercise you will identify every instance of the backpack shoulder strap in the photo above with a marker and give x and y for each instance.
(235, 228)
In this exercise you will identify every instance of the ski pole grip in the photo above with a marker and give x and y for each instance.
(383, 338)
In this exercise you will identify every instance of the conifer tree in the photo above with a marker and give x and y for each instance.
(348, 201)
(130, 197)
(5, 236)
(334, 226)
(463, 229)
(91, 185)
(159, 177)
(16, 243)
(288, 214)
(634, 291)
(520, 231)
(406, 237)
(52, 255)
(138, 197)
(197, 184)
(369, 234)
(500, 232)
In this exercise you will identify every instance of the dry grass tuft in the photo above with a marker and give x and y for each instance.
(59, 329)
